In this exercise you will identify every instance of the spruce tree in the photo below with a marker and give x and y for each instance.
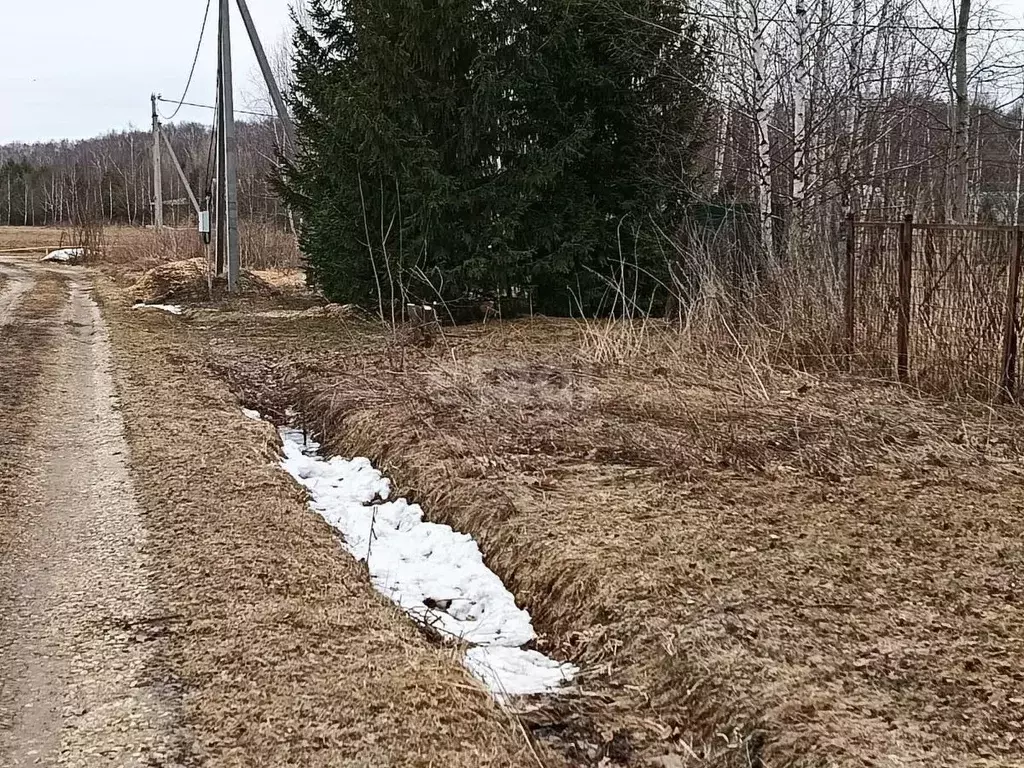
(456, 148)
(390, 152)
(608, 103)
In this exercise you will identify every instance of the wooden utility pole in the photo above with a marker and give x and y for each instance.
(158, 186)
(268, 75)
(219, 229)
(227, 203)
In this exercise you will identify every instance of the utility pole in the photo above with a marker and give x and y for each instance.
(227, 193)
(225, 186)
(219, 230)
(158, 186)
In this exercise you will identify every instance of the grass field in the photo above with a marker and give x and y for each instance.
(754, 566)
(750, 565)
(30, 237)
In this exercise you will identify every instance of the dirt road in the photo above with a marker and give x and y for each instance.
(76, 640)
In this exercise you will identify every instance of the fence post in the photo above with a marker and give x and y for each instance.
(851, 274)
(906, 275)
(1008, 384)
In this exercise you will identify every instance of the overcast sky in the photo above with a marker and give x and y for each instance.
(77, 68)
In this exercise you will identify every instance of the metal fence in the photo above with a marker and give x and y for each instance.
(935, 305)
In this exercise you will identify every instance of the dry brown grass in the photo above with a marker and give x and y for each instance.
(757, 560)
(285, 281)
(189, 281)
(130, 251)
(173, 265)
(260, 247)
(40, 238)
(755, 566)
(285, 654)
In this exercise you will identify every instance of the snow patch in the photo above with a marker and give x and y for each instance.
(436, 574)
(174, 309)
(65, 255)
(515, 672)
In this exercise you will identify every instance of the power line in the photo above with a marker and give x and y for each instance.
(865, 26)
(207, 106)
(195, 60)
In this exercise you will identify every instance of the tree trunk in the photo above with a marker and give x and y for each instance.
(853, 109)
(1020, 164)
(798, 187)
(962, 116)
(762, 115)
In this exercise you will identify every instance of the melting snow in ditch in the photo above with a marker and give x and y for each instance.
(436, 574)
(174, 309)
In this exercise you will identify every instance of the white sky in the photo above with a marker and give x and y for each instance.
(71, 69)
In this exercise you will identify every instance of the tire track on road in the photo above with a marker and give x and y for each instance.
(26, 340)
(18, 282)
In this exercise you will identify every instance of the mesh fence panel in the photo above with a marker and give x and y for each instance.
(958, 298)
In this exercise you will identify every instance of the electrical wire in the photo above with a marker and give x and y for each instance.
(865, 26)
(207, 106)
(195, 60)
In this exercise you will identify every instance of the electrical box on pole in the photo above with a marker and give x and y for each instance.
(204, 226)
(204, 235)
